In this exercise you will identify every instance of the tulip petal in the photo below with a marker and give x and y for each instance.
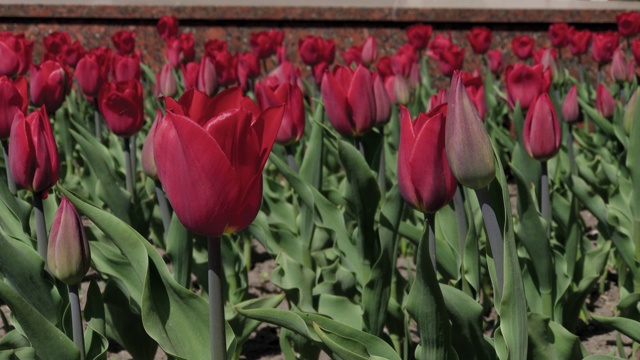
(362, 100)
(407, 140)
(196, 105)
(336, 104)
(266, 128)
(20, 147)
(247, 208)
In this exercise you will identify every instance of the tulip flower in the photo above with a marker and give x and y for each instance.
(166, 84)
(369, 51)
(293, 119)
(180, 49)
(265, 43)
(524, 83)
(12, 102)
(579, 41)
(56, 41)
(349, 100)
(286, 72)
(91, 72)
(559, 34)
(440, 43)
(314, 50)
(16, 54)
(214, 46)
(121, 106)
(494, 58)
(570, 108)
(49, 84)
(451, 60)
(124, 41)
(353, 55)
(126, 67)
(190, 74)
(480, 39)
(383, 102)
(248, 68)
(628, 23)
(635, 50)
(605, 103)
(541, 134)
(398, 89)
(468, 146)
(424, 176)
(73, 53)
(438, 99)
(403, 60)
(207, 80)
(167, 27)
(33, 154)
(475, 89)
(419, 35)
(604, 44)
(619, 66)
(226, 68)
(522, 46)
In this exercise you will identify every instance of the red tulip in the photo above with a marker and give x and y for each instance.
(190, 74)
(384, 66)
(559, 34)
(126, 67)
(319, 70)
(480, 39)
(68, 253)
(49, 84)
(604, 44)
(121, 106)
(167, 27)
(166, 84)
(73, 53)
(494, 58)
(313, 50)
(619, 66)
(628, 23)
(383, 102)
(424, 177)
(451, 60)
(579, 41)
(265, 43)
(124, 41)
(438, 99)
(369, 51)
(33, 154)
(349, 100)
(180, 49)
(210, 154)
(281, 54)
(524, 83)
(293, 119)
(286, 72)
(605, 103)
(440, 43)
(56, 41)
(352, 55)
(91, 72)
(475, 90)
(248, 68)
(214, 46)
(522, 46)
(12, 102)
(546, 58)
(147, 157)
(207, 80)
(403, 60)
(570, 108)
(226, 68)
(541, 134)
(398, 89)
(419, 35)
(16, 54)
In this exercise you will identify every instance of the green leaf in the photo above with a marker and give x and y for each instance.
(344, 348)
(549, 340)
(46, 339)
(597, 119)
(95, 339)
(628, 327)
(179, 250)
(296, 279)
(243, 326)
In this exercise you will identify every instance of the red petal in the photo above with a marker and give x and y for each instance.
(336, 105)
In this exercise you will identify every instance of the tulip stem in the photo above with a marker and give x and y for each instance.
(127, 166)
(382, 169)
(10, 182)
(133, 157)
(97, 124)
(572, 160)
(360, 146)
(430, 220)
(76, 319)
(494, 235)
(545, 203)
(291, 159)
(41, 226)
(461, 218)
(216, 304)
(164, 207)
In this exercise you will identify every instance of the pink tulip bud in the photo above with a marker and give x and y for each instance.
(542, 134)
(570, 108)
(605, 103)
(369, 51)
(166, 84)
(619, 66)
(148, 159)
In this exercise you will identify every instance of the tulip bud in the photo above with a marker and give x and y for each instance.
(618, 66)
(369, 51)
(148, 160)
(494, 58)
(570, 109)
(629, 113)
(68, 255)
(480, 39)
(604, 44)
(605, 103)
(124, 41)
(468, 145)
(419, 35)
(11, 103)
(165, 82)
(190, 74)
(121, 106)
(579, 41)
(126, 67)
(524, 83)
(397, 89)
(167, 27)
(522, 46)
(207, 78)
(559, 34)
(541, 134)
(49, 84)
(383, 103)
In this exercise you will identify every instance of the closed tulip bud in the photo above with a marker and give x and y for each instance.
(90, 75)
(167, 27)
(190, 74)
(524, 83)
(11, 103)
(605, 103)
(369, 51)
(293, 119)
(424, 176)
(121, 106)
(124, 41)
(398, 89)
(68, 254)
(148, 159)
(49, 84)
(33, 154)
(419, 35)
(166, 84)
(619, 66)
(522, 46)
(541, 133)
(579, 41)
(480, 39)
(494, 58)
(570, 108)
(126, 67)
(210, 154)
(451, 60)
(469, 149)
(559, 34)
(383, 102)
(207, 78)
(349, 100)
(248, 68)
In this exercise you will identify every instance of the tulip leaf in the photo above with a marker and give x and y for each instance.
(243, 326)
(340, 308)
(602, 357)
(48, 341)
(597, 119)
(95, 339)
(179, 250)
(628, 327)
(296, 279)
(549, 340)
(344, 348)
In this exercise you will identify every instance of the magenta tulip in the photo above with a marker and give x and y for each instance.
(541, 134)
(121, 106)
(570, 107)
(49, 84)
(293, 120)
(605, 103)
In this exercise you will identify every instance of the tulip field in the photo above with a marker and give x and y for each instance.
(479, 219)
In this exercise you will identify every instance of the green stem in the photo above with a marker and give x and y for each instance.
(127, 166)
(216, 302)
(572, 160)
(431, 226)
(461, 219)
(545, 201)
(41, 227)
(10, 183)
(76, 319)
(164, 207)
(382, 169)
(291, 159)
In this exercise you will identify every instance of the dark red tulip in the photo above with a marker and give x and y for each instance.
(419, 35)
(314, 50)
(91, 72)
(121, 106)
(248, 68)
(188, 47)
(384, 66)
(475, 89)
(604, 44)
(226, 68)
(635, 50)
(480, 39)
(319, 70)
(180, 49)
(524, 83)
(56, 42)
(293, 119)
(570, 107)
(541, 133)
(619, 66)
(451, 60)
(124, 41)
(349, 100)
(211, 164)
(49, 84)
(190, 74)
(73, 53)
(264, 43)
(522, 46)
(579, 41)
(11, 103)
(126, 67)
(605, 103)
(166, 84)
(16, 54)
(214, 46)
(424, 176)
(353, 55)
(559, 34)
(167, 27)
(33, 154)
(440, 43)
(494, 58)
(403, 60)
(207, 80)
(628, 23)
